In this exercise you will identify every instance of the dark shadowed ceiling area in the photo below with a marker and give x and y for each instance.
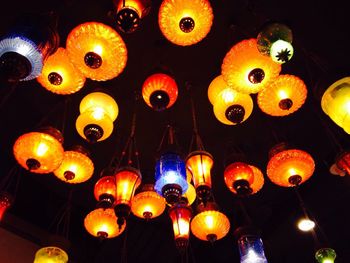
(321, 43)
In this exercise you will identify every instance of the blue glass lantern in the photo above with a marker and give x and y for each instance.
(170, 176)
(251, 249)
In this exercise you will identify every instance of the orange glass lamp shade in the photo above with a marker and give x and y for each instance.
(98, 111)
(290, 167)
(76, 166)
(105, 191)
(147, 204)
(283, 96)
(180, 215)
(59, 75)
(102, 223)
(159, 91)
(5, 203)
(246, 70)
(217, 85)
(343, 162)
(39, 152)
(239, 177)
(259, 180)
(185, 22)
(97, 50)
(51, 255)
(335, 103)
(190, 195)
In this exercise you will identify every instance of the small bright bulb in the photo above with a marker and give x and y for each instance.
(306, 225)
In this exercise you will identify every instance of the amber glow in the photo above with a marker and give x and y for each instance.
(190, 194)
(200, 164)
(51, 255)
(258, 181)
(59, 75)
(134, 4)
(105, 186)
(215, 87)
(102, 40)
(171, 13)
(284, 87)
(127, 180)
(343, 162)
(180, 216)
(236, 172)
(5, 203)
(239, 63)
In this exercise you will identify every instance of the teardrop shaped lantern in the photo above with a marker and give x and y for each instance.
(59, 75)
(180, 215)
(39, 152)
(325, 255)
(105, 191)
(336, 103)
(97, 51)
(97, 113)
(102, 223)
(283, 96)
(289, 167)
(5, 202)
(185, 22)
(159, 91)
(238, 178)
(246, 70)
(147, 204)
(51, 255)
(76, 166)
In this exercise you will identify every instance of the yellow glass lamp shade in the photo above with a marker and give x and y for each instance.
(190, 195)
(239, 177)
(147, 204)
(246, 70)
(232, 107)
(159, 91)
(59, 75)
(215, 87)
(100, 100)
(290, 167)
(76, 167)
(180, 215)
(39, 152)
(97, 50)
(258, 181)
(185, 22)
(51, 255)
(336, 103)
(105, 191)
(283, 96)
(102, 223)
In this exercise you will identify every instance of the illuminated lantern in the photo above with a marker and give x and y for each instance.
(306, 224)
(210, 224)
(59, 75)
(283, 96)
(343, 162)
(258, 181)
(76, 166)
(105, 191)
(170, 174)
(289, 167)
(189, 196)
(39, 152)
(325, 255)
(5, 203)
(239, 177)
(246, 70)
(147, 203)
(180, 215)
(102, 223)
(275, 40)
(336, 103)
(97, 113)
(130, 12)
(159, 91)
(51, 255)
(25, 47)
(185, 22)
(215, 87)
(97, 51)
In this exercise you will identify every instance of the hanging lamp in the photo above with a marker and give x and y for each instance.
(98, 111)
(282, 97)
(105, 190)
(6, 201)
(189, 196)
(59, 74)
(336, 103)
(97, 51)
(343, 162)
(40, 151)
(51, 255)
(185, 22)
(325, 255)
(246, 70)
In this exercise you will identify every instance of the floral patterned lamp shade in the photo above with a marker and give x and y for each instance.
(51, 255)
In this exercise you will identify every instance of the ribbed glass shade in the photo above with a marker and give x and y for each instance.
(185, 22)
(127, 180)
(259, 180)
(51, 255)
(181, 216)
(97, 51)
(200, 164)
(103, 223)
(238, 172)
(105, 186)
(215, 87)
(59, 75)
(336, 103)
(251, 249)
(282, 97)
(246, 70)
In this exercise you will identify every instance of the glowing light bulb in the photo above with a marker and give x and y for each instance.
(42, 149)
(209, 221)
(306, 224)
(282, 94)
(98, 49)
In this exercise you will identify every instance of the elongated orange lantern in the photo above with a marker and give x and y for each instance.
(105, 191)
(180, 215)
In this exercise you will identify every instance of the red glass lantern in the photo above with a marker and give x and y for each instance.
(343, 162)
(105, 191)
(180, 215)
(239, 177)
(5, 203)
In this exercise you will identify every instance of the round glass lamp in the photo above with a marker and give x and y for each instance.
(217, 85)
(105, 191)
(180, 215)
(51, 255)
(238, 178)
(325, 255)
(343, 162)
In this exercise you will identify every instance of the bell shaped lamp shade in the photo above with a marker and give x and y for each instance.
(282, 97)
(102, 223)
(335, 103)
(325, 255)
(59, 75)
(180, 215)
(39, 152)
(5, 202)
(51, 255)
(97, 51)
(251, 249)
(343, 162)
(105, 191)
(76, 166)
(185, 22)
(239, 177)
(159, 91)
(147, 204)
(246, 70)
(170, 175)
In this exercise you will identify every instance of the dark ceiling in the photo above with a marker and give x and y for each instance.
(321, 42)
